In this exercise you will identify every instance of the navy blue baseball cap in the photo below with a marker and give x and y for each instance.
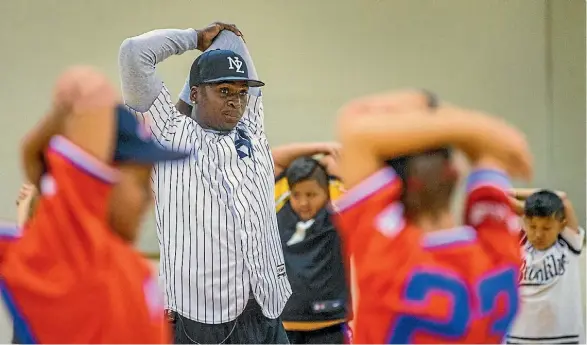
(217, 66)
(135, 143)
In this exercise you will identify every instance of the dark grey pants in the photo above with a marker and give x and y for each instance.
(251, 327)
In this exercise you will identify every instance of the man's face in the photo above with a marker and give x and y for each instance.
(220, 106)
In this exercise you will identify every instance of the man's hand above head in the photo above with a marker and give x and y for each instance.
(207, 35)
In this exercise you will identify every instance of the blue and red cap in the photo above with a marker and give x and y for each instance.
(135, 143)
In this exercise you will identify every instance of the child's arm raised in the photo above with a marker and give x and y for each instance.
(570, 215)
(572, 233)
(378, 128)
(83, 112)
(524, 193)
(284, 155)
(517, 205)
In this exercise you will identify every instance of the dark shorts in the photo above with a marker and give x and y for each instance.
(251, 327)
(329, 335)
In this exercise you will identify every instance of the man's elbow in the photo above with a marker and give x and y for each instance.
(129, 44)
(230, 37)
(132, 55)
(130, 70)
(126, 52)
(229, 40)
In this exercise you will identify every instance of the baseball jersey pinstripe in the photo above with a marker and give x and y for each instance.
(215, 212)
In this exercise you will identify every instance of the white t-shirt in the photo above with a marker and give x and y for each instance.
(550, 293)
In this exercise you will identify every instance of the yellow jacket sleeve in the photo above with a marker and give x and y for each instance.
(336, 189)
(281, 193)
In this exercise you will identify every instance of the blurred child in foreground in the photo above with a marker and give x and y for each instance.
(70, 274)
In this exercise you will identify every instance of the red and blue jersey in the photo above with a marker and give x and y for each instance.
(69, 278)
(449, 286)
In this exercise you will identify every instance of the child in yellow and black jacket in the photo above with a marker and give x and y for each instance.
(317, 310)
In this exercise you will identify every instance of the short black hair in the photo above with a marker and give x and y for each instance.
(306, 168)
(544, 203)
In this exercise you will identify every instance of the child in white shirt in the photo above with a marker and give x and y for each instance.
(550, 277)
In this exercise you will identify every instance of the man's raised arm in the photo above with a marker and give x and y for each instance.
(138, 57)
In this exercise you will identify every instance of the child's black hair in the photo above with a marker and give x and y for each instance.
(306, 168)
(544, 203)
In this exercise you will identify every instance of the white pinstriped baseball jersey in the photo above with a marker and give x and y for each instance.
(215, 212)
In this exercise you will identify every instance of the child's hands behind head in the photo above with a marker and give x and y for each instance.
(387, 103)
(330, 163)
(521, 194)
(570, 215)
(487, 135)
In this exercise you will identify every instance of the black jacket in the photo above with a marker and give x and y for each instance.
(314, 268)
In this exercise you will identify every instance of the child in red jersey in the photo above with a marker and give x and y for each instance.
(421, 278)
(72, 275)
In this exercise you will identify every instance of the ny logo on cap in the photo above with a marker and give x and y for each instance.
(235, 63)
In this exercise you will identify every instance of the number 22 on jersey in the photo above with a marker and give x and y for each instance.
(456, 326)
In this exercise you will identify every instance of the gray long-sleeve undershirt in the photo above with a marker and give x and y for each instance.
(138, 57)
